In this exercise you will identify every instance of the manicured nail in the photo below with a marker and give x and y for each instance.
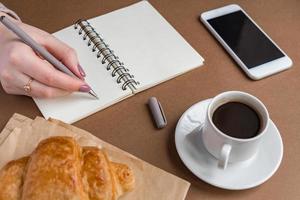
(81, 70)
(84, 88)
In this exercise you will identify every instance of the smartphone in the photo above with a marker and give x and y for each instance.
(253, 50)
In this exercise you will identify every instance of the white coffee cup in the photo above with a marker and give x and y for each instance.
(229, 149)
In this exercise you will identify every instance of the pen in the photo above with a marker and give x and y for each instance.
(39, 49)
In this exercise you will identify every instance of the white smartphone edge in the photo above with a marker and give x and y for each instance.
(257, 72)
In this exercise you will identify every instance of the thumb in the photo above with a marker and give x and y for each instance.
(64, 53)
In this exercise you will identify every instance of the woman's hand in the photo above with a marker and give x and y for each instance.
(19, 64)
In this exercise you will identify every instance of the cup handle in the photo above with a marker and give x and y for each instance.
(224, 156)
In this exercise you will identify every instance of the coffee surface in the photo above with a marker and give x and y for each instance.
(237, 120)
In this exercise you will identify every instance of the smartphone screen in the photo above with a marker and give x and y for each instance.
(245, 39)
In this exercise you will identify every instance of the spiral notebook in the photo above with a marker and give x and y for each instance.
(122, 52)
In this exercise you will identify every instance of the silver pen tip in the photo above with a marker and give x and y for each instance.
(91, 92)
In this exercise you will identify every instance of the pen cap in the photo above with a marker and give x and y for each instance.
(157, 112)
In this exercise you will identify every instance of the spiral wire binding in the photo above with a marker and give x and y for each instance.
(108, 56)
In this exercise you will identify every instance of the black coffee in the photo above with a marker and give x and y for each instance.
(237, 120)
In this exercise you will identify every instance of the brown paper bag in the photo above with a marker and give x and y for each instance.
(21, 135)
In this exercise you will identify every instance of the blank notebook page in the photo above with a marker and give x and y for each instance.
(79, 105)
(148, 45)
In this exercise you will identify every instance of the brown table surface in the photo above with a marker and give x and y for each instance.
(128, 124)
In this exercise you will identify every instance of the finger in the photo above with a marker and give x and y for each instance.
(37, 89)
(44, 72)
(64, 53)
(43, 91)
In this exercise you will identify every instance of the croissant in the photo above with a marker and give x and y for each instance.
(59, 169)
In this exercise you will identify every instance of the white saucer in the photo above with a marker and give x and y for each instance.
(236, 176)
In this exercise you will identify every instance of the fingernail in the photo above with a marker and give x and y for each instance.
(84, 88)
(81, 70)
